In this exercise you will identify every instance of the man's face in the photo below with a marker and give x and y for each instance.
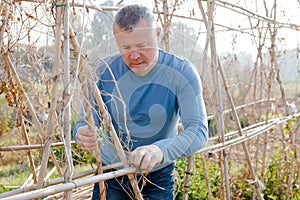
(139, 47)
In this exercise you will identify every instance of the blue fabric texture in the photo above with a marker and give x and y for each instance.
(150, 107)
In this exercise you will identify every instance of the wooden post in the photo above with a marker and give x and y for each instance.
(85, 76)
(66, 114)
(52, 114)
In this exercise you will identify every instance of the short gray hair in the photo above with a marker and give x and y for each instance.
(128, 16)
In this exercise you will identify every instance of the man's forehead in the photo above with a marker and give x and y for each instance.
(134, 29)
(135, 34)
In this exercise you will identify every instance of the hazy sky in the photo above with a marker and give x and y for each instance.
(232, 41)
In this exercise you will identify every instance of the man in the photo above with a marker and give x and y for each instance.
(152, 89)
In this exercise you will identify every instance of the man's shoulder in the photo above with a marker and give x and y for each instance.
(175, 61)
(172, 56)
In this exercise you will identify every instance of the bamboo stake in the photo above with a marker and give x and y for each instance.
(90, 122)
(50, 172)
(9, 64)
(269, 84)
(219, 68)
(262, 75)
(294, 161)
(248, 158)
(297, 158)
(211, 39)
(208, 24)
(85, 72)
(221, 119)
(191, 162)
(224, 156)
(274, 63)
(205, 173)
(273, 34)
(115, 139)
(67, 103)
(237, 122)
(71, 185)
(259, 58)
(51, 120)
(81, 193)
(31, 146)
(29, 179)
(57, 181)
(27, 142)
(253, 103)
(166, 26)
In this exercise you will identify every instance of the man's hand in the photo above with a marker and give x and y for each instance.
(146, 157)
(86, 139)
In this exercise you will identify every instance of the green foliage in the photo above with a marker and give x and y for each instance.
(82, 157)
(275, 180)
(289, 125)
(12, 176)
(212, 127)
(79, 156)
(239, 182)
(197, 184)
(281, 178)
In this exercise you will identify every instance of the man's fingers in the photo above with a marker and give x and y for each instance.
(147, 163)
(146, 157)
(136, 157)
(86, 139)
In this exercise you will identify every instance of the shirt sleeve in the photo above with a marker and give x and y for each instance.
(194, 120)
(82, 119)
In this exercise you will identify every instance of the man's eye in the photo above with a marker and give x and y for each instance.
(142, 45)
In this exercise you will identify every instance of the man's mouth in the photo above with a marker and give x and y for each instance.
(137, 64)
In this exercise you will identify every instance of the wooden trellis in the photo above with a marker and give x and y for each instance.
(83, 73)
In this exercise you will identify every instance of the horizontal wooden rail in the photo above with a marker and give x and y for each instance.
(212, 148)
(57, 181)
(30, 147)
(72, 185)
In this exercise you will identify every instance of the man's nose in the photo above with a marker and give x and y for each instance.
(134, 54)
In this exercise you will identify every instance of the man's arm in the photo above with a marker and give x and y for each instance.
(194, 135)
(194, 120)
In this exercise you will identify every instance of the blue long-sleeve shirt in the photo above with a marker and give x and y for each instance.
(154, 104)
